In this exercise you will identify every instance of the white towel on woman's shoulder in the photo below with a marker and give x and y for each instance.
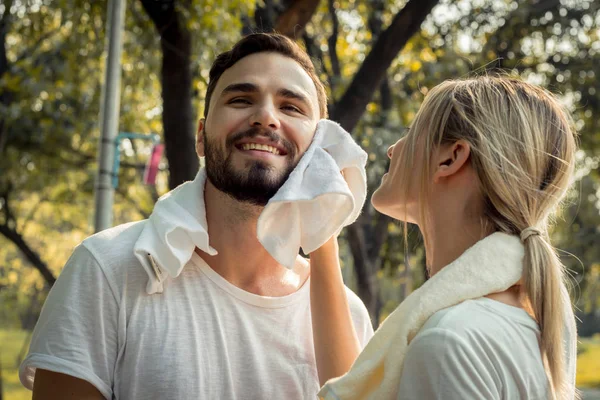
(491, 265)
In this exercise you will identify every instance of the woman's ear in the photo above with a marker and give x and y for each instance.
(450, 159)
(200, 138)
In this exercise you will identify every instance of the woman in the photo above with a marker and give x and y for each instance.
(481, 171)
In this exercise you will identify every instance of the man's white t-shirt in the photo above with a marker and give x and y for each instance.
(478, 349)
(202, 338)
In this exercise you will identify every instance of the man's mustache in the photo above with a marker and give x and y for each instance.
(258, 131)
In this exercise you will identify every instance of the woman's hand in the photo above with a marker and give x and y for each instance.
(335, 340)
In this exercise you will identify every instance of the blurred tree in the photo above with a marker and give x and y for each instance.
(174, 22)
(289, 17)
(379, 59)
(50, 76)
(457, 39)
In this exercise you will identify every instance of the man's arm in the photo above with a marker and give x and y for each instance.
(50, 385)
(77, 331)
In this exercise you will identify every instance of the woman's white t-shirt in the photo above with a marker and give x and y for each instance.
(478, 349)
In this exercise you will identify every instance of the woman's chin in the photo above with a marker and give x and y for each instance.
(376, 201)
(383, 208)
(391, 210)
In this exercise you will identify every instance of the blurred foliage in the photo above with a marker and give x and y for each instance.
(12, 343)
(549, 42)
(588, 363)
(52, 85)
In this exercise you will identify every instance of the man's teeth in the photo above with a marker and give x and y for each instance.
(262, 147)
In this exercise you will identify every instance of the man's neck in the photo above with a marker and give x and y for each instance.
(241, 258)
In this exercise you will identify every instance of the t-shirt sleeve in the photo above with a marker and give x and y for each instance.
(360, 317)
(439, 364)
(76, 333)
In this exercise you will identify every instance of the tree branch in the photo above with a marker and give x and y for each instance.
(379, 235)
(385, 93)
(5, 97)
(368, 78)
(28, 52)
(315, 52)
(31, 255)
(9, 218)
(292, 21)
(264, 17)
(363, 269)
(332, 47)
(6, 14)
(32, 211)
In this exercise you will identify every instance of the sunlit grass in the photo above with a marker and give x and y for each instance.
(11, 342)
(588, 363)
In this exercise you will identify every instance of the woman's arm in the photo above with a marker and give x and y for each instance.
(335, 340)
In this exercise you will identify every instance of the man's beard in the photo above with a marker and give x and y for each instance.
(255, 184)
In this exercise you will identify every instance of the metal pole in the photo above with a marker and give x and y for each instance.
(109, 115)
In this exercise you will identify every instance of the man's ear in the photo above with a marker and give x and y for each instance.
(200, 138)
(450, 159)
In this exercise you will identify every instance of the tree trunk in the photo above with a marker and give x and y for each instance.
(288, 17)
(6, 229)
(371, 77)
(367, 80)
(179, 119)
(366, 283)
(4, 95)
(264, 17)
(292, 21)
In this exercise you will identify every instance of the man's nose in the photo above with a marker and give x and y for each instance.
(265, 116)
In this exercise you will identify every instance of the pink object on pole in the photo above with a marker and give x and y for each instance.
(152, 166)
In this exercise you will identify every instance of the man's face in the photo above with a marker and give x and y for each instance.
(262, 118)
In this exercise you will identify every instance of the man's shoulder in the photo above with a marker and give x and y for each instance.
(112, 248)
(119, 239)
(355, 303)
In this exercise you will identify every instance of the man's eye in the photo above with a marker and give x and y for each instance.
(291, 108)
(239, 100)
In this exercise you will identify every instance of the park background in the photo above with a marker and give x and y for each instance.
(378, 59)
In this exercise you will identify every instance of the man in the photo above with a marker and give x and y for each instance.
(234, 324)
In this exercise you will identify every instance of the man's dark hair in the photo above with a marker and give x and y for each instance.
(264, 43)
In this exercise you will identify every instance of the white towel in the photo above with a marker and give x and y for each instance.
(316, 201)
(313, 204)
(175, 228)
(492, 265)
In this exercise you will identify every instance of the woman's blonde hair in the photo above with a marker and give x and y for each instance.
(522, 150)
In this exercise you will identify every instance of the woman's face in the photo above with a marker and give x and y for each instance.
(398, 193)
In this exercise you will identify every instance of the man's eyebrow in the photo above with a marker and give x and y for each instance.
(290, 94)
(240, 87)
